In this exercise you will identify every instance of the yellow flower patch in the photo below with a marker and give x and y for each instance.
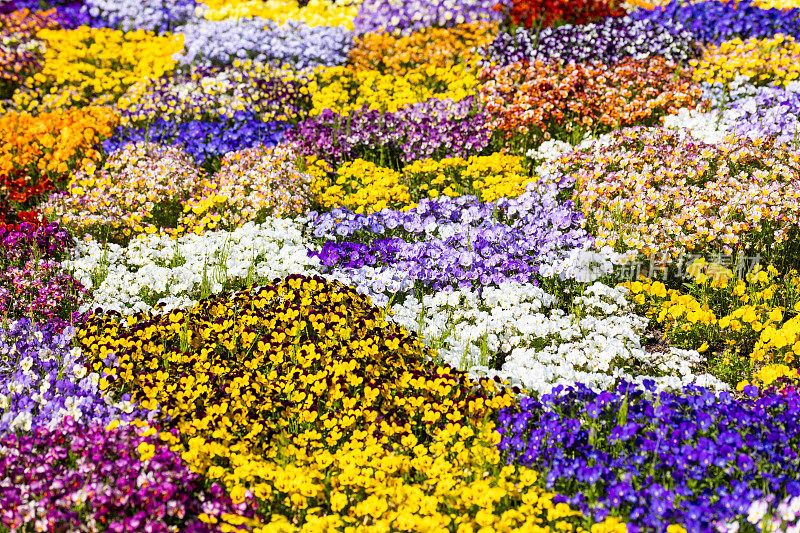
(741, 318)
(97, 65)
(345, 89)
(314, 13)
(772, 61)
(304, 396)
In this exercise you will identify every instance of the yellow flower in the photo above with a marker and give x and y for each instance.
(146, 451)
(99, 64)
(345, 89)
(771, 60)
(361, 451)
(314, 13)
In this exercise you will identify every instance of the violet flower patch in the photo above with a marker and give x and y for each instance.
(609, 41)
(450, 242)
(693, 457)
(713, 22)
(122, 477)
(43, 380)
(202, 139)
(435, 128)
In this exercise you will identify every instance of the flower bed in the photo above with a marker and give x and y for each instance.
(387, 265)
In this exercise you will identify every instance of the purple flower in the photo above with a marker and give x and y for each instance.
(451, 242)
(76, 473)
(610, 41)
(211, 42)
(713, 21)
(43, 380)
(431, 129)
(407, 16)
(689, 458)
(202, 139)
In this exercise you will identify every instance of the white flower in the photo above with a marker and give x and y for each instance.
(26, 364)
(22, 421)
(758, 509)
(156, 268)
(78, 371)
(544, 346)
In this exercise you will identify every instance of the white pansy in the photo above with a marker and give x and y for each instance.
(26, 364)
(125, 406)
(517, 333)
(585, 264)
(22, 421)
(78, 371)
(158, 269)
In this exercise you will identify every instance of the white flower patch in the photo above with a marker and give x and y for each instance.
(549, 151)
(711, 127)
(158, 269)
(516, 333)
(586, 265)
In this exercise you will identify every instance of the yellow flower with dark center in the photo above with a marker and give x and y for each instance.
(324, 421)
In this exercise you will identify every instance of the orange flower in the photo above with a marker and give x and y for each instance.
(548, 99)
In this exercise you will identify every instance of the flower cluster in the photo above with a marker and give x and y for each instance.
(210, 94)
(251, 184)
(780, 517)
(120, 476)
(202, 139)
(609, 41)
(520, 333)
(431, 129)
(450, 241)
(44, 380)
(546, 99)
(714, 22)
(310, 12)
(346, 89)
(271, 266)
(267, 355)
(40, 290)
(220, 43)
(24, 23)
(377, 16)
(138, 190)
(440, 47)
(69, 11)
(20, 53)
(691, 458)
(770, 112)
(38, 151)
(778, 348)
(98, 65)
(543, 13)
(777, 4)
(743, 324)
(32, 282)
(365, 187)
(159, 16)
(490, 177)
(25, 241)
(158, 270)
(662, 192)
(743, 108)
(772, 61)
